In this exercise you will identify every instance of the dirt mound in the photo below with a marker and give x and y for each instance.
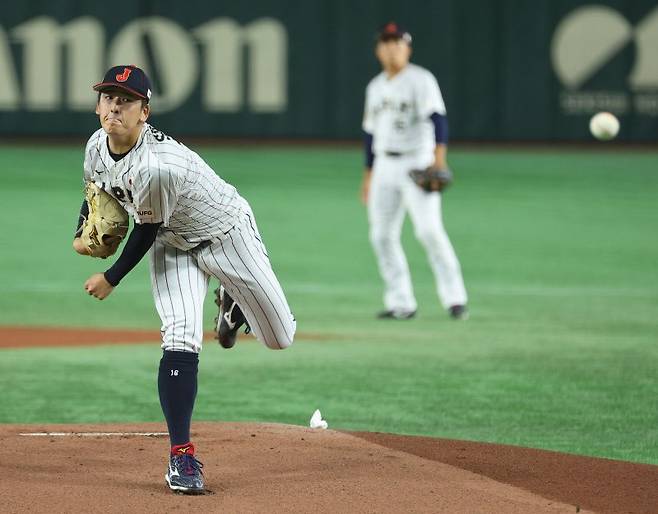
(602, 485)
(266, 468)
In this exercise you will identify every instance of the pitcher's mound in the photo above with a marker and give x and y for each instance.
(248, 468)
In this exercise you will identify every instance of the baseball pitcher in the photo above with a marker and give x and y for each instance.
(194, 226)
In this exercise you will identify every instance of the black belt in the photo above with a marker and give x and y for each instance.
(393, 154)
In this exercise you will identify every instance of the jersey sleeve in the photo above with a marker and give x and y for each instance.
(86, 168)
(155, 191)
(429, 97)
(87, 163)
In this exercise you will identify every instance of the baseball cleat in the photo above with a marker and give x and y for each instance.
(393, 314)
(229, 320)
(184, 474)
(458, 312)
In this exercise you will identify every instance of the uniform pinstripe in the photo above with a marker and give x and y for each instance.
(208, 230)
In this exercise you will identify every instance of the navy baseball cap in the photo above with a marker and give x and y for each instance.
(128, 77)
(392, 31)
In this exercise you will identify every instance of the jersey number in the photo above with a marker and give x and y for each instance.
(161, 136)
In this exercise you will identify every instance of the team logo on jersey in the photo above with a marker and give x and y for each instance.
(124, 76)
(145, 213)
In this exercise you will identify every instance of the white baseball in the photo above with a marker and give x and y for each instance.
(604, 126)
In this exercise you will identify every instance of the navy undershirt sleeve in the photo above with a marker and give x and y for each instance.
(84, 212)
(367, 147)
(440, 127)
(138, 243)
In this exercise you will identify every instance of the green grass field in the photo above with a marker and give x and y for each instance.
(559, 251)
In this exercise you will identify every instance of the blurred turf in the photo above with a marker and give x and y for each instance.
(559, 255)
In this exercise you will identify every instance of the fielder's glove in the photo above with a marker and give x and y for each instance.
(107, 223)
(432, 179)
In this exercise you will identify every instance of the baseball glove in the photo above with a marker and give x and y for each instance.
(107, 223)
(432, 179)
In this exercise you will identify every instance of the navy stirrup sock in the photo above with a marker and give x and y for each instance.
(177, 385)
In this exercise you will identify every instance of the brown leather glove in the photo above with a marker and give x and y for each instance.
(432, 179)
(107, 223)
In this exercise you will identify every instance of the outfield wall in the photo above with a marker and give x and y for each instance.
(509, 70)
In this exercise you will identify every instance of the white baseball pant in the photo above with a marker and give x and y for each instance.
(392, 193)
(240, 262)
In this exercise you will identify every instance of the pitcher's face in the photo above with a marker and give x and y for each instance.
(121, 114)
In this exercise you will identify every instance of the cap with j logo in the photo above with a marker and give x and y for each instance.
(392, 32)
(130, 78)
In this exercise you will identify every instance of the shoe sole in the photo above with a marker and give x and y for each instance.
(183, 490)
(219, 295)
(224, 343)
(399, 317)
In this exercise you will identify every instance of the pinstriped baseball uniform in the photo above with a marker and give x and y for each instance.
(208, 230)
(397, 114)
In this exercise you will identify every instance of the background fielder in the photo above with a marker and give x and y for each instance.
(195, 226)
(406, 128)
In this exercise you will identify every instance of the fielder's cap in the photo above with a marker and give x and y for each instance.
(392, 31)
(128, 77)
